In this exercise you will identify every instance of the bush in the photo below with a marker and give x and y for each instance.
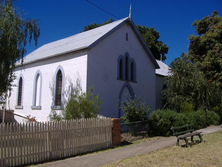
(186, 107)
(161, 121)
(82, 105)
(213, 118)
(200, 119)
(197, 119)
(218, 110)
(79, 105)
(135, 110)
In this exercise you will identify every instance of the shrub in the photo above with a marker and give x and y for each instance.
(180, 120)
(186, 107)
(82, 105)
(212, 118)
(218, 110)
(197, 119)
(79, 105)
(135, 110)
(160, 122)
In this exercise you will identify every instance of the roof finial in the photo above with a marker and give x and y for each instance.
(130, 12)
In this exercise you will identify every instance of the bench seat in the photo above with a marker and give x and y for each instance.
(184, 133)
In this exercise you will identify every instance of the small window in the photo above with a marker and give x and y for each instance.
(126, 36)
(58, 88)
(20, 92)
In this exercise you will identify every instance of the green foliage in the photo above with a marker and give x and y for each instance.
(151, 37)
(213, 118)
(80, 105)
(161, 121)
(186, 107)
(55, 116)
(83, 105)
(197, 119)
(183, 85)
(205, 49)
(218, 110)
(188, 84)
(95, 25)
(14, 33)
(135, 110)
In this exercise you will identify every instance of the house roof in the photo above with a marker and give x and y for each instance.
(163, 70)
(84, 40)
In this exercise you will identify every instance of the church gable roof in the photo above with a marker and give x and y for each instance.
(84, 40)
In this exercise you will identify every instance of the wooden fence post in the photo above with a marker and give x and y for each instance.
(116, 132)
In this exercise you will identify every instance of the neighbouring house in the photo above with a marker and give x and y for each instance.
(113, 58)
(161, 74)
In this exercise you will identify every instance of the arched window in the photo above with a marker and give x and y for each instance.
(121, 69)
(37, 88)
(19, 102)
(126, 69)
(58, 88)
(132, 71)
(36, 103)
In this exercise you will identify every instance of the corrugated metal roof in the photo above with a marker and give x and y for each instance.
(72, 43)
(163, 70)
(84, 40)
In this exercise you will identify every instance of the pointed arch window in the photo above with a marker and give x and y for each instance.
(58, 88)
(132, 71)
(121, 69)
(20, 93)
(126, 69)
(36, 103)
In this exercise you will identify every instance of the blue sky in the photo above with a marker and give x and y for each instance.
(171, 18)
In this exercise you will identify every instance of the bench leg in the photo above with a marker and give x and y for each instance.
(186, 141)
(191, 138)
(177, 144)
(200, 136)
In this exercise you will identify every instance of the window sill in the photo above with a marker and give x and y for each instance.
(36, 107)
(19, 107)
(57, 107)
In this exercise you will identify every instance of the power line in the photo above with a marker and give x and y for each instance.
(102, 9)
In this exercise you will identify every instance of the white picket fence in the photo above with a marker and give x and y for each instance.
(29, 143)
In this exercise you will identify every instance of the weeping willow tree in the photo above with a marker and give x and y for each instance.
(15, 32)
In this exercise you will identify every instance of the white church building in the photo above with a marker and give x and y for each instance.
(113, 58)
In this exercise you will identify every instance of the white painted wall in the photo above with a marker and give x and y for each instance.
(74, 66)
(102, 70)
(96, 67)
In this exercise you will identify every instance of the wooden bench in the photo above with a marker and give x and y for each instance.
(184, 133)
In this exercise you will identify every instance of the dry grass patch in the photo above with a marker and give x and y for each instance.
(207, 154)
(130, 139)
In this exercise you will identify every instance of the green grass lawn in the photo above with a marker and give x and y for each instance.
(208, 153)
